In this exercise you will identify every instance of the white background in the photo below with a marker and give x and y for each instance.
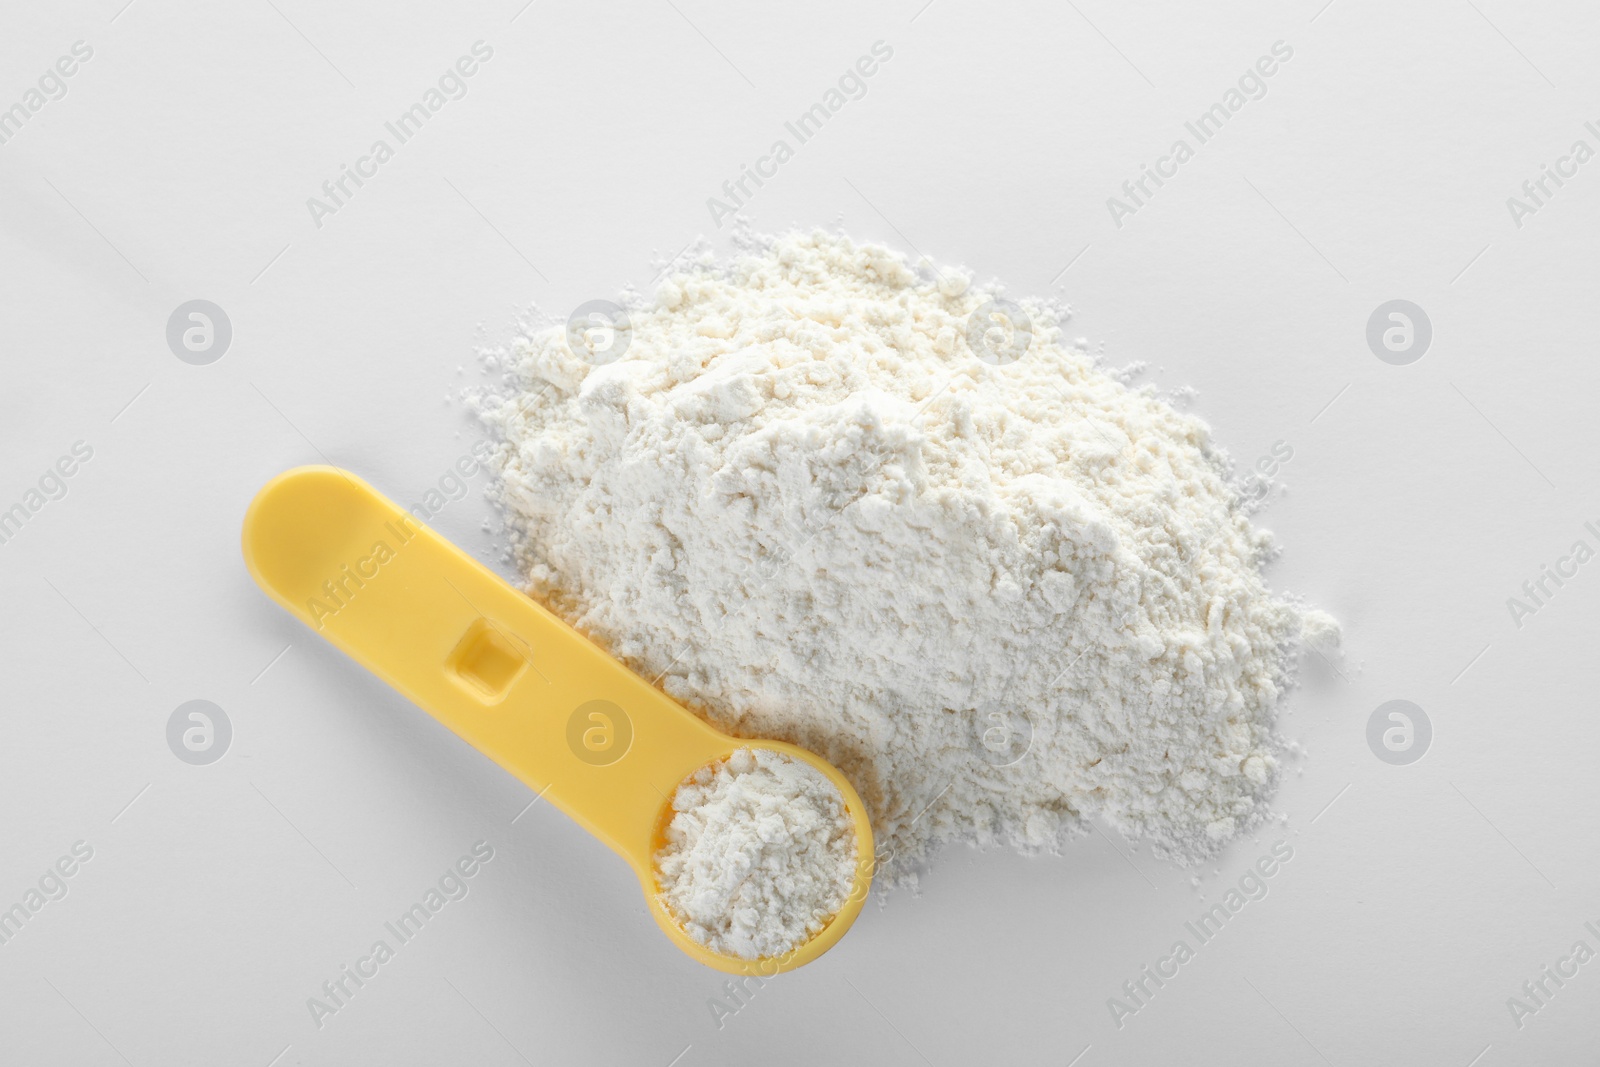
(1419, 499)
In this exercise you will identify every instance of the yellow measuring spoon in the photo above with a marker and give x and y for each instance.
(514, 681)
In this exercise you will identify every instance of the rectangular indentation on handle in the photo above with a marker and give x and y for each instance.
(488, 660)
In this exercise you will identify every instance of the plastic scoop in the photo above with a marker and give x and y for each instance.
(514, 681)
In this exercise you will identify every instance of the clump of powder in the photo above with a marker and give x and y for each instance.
(759, 855)
(821, 502)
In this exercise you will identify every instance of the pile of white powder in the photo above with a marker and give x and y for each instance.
(759, 855)
(1003, 599)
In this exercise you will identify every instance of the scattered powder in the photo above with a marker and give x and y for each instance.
(1003, 599)
(759, 856)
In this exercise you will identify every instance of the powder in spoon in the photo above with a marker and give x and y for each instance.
(760, 854)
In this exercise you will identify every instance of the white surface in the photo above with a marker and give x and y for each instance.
(177, 167)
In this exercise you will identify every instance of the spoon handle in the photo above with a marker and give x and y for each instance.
(510, 678)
